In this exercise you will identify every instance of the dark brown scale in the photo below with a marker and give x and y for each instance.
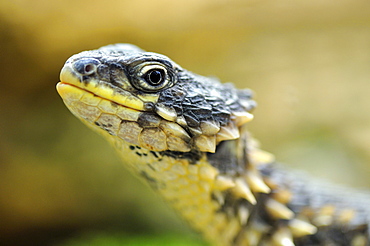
(147, 120)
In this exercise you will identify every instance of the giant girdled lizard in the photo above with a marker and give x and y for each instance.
(186, 136)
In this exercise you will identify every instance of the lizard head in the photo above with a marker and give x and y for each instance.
(149, 101)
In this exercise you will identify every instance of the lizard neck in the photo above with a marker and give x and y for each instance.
(201, 187)
(187, 183)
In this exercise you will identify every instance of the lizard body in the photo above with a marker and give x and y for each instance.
(186, 136)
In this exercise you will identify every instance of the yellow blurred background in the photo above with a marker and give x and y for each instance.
(61, 184)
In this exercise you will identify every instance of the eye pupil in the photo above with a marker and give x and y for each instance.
(155, 77)
(151, 76)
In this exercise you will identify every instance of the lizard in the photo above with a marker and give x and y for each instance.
(186, 136)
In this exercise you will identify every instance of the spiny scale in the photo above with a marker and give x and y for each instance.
(223, 183)
(278, 210)
(256, 183)
(242, 190)
(282, 237)
(301, 228)
(186, 137)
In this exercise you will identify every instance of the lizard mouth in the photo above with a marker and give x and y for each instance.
(68, 76)
(122, 116)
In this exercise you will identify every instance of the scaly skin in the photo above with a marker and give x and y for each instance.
(185, 135)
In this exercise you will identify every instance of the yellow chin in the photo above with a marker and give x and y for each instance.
(121, 122)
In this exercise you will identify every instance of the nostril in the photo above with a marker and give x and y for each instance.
(90, 68)
(86, 66)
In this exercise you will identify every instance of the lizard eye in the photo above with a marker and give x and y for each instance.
(151, 77)
(155, 77)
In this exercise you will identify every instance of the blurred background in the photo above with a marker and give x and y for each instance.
(61, 184)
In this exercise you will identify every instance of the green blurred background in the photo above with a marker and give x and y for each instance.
(61, 184)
